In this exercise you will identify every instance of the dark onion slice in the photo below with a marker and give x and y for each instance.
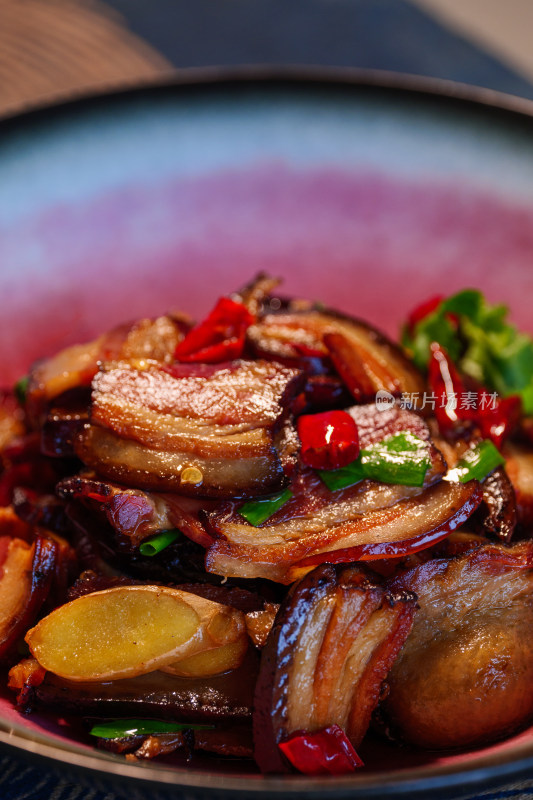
(465, 674)
(499, 505)
(224, 740)
(155, 696)
(99, 549)
(332, 645)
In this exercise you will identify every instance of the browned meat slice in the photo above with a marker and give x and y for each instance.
(519, 468)
(208, 431)
(76, 366)
(365, 359)
(332, 645)
(367, 521)
(465, 674)
(135, 515)
(26, 575)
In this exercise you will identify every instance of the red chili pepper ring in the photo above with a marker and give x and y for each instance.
(324, 752)
(220, 337)
(329, 440)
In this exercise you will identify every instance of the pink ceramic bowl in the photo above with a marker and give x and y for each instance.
(367, 196)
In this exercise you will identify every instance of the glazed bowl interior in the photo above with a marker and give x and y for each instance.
(366, 198)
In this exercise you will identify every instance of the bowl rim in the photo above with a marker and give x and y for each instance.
(298, 76)
(479, 771)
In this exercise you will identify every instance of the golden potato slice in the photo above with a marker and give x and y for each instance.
(129, 630)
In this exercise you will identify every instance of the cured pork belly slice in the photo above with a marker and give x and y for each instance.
(365, 359)
(136, 465)
(368, 520)
(77, 365)
(227, 422)
(375, 424)
(465, 675)
(135, 515)
(238, 395)
(519, 468)
(333, 642)
(373, 524)
(26, 575)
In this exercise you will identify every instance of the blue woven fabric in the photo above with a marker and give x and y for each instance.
(18, 781)
(372, 34)
(21, 782)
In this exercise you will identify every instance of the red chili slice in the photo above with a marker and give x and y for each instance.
(448, 389)
(220, 337)
(329, 440)
(423, 310)
(324, 752)
(497, 416)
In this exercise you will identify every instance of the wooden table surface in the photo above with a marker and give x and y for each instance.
(52, 48)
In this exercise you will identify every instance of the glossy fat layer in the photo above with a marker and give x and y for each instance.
(274, 551)
(133, 464)
(243, 394)
(333, 642)
(366, 360)
(152, 426)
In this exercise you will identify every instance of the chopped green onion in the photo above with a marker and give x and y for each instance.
(135, 727)
(478, 462)
(345, 476)
(258, 511)
(402, 458)
(154, 546)
(21, 389)
(483, 344)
